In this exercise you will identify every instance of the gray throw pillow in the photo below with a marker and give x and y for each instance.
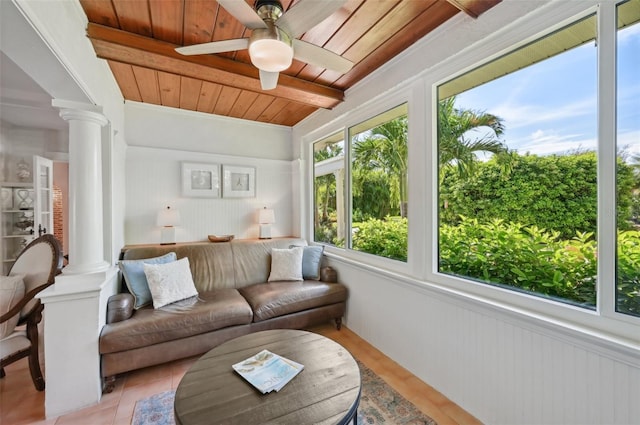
(311, 258)
(136, 280)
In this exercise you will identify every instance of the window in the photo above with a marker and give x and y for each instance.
(363, 207)
(517, 160)
(328, 189)
(531, 188)
(628, 149)
(521, 165)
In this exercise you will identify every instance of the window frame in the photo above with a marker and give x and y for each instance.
(603, 327)
(411, 96)
(604, 320)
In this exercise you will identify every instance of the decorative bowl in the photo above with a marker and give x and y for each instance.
(223, 238)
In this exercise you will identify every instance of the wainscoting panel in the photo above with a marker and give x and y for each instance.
(153, 179)
(501, 370)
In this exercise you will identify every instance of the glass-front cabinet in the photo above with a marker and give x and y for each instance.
(27, 207)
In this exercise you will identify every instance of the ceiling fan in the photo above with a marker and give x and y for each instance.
(273, 43)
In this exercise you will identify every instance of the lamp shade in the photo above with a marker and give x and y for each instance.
(168, 217)
(266, 216)
(271, 55)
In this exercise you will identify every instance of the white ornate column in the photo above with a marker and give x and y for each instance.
(71, 346)
(86, 249)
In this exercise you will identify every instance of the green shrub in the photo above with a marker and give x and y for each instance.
(629, 272)
(386, 238)
(529, 259)
(526, 258)
(555, 192)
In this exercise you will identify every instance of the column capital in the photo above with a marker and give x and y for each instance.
(81, 115)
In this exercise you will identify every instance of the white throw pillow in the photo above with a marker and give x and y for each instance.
(11, 291)
(286, 264)
(170, 282)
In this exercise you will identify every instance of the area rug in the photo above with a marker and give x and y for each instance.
(379, 404)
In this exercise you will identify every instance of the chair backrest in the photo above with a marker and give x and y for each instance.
(39, 263)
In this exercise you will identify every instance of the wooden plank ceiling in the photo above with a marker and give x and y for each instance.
(138, 37)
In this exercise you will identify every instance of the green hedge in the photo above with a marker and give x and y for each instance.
(519, 257)
(555, 192)
(526, 258)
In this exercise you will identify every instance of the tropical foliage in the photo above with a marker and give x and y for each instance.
(525, 222)
(457, 148)
(385, 238)
(555, 192)
(385, 150)
(528, 258)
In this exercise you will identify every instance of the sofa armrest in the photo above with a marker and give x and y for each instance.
(119, 307)
(328, 274)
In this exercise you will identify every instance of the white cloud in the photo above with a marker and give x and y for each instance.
(630, 142)
(518, 115)
(547, 142)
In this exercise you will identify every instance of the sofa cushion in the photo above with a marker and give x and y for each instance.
(279, 298)
(136, 280)
(286, 264)
(170, 282)
(207, 312)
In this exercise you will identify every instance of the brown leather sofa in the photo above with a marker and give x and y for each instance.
(234, 299)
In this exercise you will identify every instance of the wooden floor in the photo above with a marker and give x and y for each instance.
(20, 403)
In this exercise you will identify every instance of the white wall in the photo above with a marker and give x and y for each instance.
(160, 139)
(171, 128)
(154, 181)
(503, 364)
(500, 367)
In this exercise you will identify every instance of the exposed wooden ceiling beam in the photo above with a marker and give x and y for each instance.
(474, 8)
(121, 46)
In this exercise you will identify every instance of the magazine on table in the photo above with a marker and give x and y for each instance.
(268, 371)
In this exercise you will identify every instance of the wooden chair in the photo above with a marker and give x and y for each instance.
(39, 263)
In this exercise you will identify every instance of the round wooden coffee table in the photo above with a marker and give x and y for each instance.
(327, 391)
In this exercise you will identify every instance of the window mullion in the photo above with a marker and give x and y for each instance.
(606, 158)
(348, 202)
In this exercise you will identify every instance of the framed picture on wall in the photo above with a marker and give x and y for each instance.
(200, 180)
(238, 181)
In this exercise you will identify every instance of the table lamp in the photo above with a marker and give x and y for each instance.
(168, 218)
(266, 218)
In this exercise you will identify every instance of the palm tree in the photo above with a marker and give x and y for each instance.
(385, 148)
(458, 151)
(329, 151)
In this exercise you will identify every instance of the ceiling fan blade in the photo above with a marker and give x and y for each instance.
(214, 47)
(306, 14)
(243, 12)
(318, 56)
(268, 80)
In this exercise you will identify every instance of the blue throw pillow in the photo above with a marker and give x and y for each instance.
(311, 258)
(135, 279)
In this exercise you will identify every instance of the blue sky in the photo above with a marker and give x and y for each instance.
(551, 107)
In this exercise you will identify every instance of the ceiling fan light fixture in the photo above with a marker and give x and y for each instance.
(271, 55)
(270, 49)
